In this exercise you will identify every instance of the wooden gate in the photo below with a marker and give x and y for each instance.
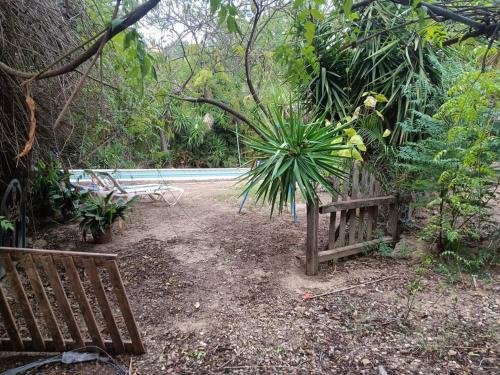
(354, 215)
(54, 301)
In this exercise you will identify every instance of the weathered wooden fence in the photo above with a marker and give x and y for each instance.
(354, 215)
(54, 301)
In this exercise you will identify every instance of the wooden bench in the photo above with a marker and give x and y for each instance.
(62, 300)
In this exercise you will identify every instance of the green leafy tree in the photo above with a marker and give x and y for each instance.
(456, 161)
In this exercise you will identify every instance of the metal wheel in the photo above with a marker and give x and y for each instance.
(14, 209)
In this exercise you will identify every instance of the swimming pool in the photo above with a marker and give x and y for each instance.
(171, 174)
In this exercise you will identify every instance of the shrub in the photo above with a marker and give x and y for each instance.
(52, 192)
(455, 163)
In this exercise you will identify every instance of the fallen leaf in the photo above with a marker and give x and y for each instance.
(307, 295)
(31, 136)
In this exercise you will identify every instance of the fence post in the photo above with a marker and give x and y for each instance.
(312, 238)
(394, 220)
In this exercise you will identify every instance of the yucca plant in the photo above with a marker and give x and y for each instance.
(292, 154)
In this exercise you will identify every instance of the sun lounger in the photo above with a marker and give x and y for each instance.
(156, 192)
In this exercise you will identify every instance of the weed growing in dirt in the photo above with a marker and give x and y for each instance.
(415, 286)
(386, 250)
(198, 354)
(453, 264)
(405, 250)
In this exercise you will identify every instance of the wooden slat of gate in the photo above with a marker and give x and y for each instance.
(363, 212)
(333, 216)
(26, 309)
(82, 300)
(41, 296)
(372, 212)
(121, 296)
(61, 297)
(10, 323)
(343, 217)
(102, 300)
(354, 195)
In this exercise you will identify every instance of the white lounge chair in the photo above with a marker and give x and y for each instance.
(156, 192)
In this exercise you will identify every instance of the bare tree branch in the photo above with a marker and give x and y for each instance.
(218, 104)
(490, 44)
(86, 73)
(127, 21)
(253, 92)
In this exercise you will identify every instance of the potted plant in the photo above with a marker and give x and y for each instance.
(98, 214)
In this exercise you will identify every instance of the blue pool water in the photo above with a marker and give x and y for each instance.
(198, 174)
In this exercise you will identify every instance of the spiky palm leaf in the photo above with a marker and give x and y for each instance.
(393, 59)
(291, 154)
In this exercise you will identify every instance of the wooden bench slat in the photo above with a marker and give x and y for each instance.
(83, 302)
(21, 251)
(22, 298)
(10, 323)
(7, 346)
(102, 300)
(61, 297)
(123, 302)
(43, 300)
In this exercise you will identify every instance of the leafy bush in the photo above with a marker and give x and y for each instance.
(52, 192)
(454, 263)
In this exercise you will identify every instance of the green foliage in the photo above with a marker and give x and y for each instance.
(197, 354)
(52, 192)
(136, 61)
(98, 213)
(227, 14)
(6, 225)
(386, 250)
(456, 160)
(291, 153)
(392, 59)
(454, 263)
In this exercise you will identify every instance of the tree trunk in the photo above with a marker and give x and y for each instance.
(164, 141)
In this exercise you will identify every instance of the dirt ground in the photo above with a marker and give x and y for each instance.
(214, 291)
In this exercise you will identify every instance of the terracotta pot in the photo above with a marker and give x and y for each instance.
(103, 237)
